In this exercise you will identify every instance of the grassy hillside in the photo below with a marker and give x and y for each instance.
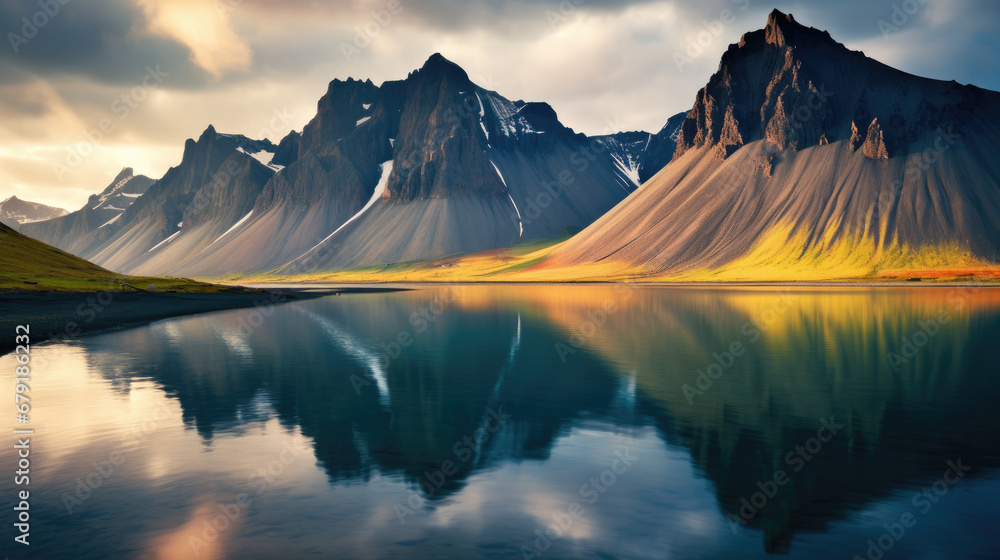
(27, 265)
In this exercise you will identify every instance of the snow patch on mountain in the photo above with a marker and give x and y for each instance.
(630, 169)
(383, 183)
(111, 221)
(482, 113)
(112, 192)
(264, 157)
(520, 224)
(228, 231)
(164, 242)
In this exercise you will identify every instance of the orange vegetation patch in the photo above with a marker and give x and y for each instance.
(963, 273)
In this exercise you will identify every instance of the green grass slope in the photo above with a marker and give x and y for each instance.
(27, 265)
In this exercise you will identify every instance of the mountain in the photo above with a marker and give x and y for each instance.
(459, 169)
(217, 182)
(87, 227)
(803, 159)
(15, 212)
(419, 168)
(658, 152)
(628, 150)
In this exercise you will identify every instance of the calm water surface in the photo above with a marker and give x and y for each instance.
(527, 422)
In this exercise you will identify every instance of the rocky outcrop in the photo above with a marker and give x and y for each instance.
(874, 146)
(776, 85)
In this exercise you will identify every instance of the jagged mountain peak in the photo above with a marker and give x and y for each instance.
(350, 81)
(780, 28)
(209, 132)
(438, 70)
(437, 63)
(213, 144)
(796, 87)
(777, 25)
(783, 30)
(125, 173)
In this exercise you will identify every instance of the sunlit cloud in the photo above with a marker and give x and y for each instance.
(204, 28)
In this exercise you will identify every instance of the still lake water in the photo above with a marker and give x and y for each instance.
(526, 422)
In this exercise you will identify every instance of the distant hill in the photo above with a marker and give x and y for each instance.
(88, 227)
(15, 212)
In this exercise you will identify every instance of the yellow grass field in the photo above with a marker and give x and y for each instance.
(781, 257)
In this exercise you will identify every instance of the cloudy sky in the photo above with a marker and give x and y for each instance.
(90, 86)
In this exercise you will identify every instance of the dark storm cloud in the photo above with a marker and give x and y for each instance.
(457, 15)
(601, 64)
(102, 39)
(97, 39)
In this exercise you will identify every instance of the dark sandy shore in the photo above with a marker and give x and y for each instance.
(53, 316)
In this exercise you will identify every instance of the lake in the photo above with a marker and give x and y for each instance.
(555, 422)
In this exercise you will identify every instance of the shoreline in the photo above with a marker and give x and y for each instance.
(64, 316)
(402, 285)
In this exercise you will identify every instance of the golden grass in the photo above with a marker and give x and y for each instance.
(784, 255)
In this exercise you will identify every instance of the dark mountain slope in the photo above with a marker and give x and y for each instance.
(801, 158)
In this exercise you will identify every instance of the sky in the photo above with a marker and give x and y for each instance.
(88, 87)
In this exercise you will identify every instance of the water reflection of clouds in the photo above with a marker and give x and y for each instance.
(821, 359)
